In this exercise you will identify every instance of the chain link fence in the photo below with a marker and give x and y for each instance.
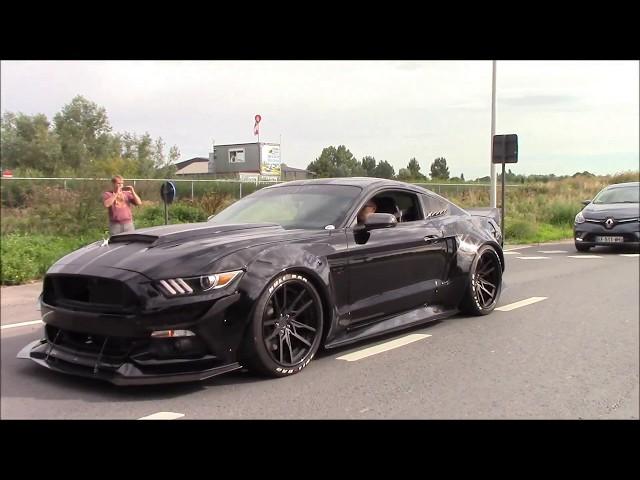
(15, 190)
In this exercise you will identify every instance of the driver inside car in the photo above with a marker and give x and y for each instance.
(368, 208)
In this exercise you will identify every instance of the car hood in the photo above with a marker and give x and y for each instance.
(174, 250)
(614, 210)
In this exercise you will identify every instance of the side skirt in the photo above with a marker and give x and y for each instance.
(402, 321)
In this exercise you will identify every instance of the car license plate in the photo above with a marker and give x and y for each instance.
(609, 239)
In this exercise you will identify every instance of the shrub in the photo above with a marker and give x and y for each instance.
(28, 257)
(519, 230)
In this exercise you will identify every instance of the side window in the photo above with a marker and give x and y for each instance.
(434, 206)
(404, 205)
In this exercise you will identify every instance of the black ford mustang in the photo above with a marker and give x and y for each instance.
(612, 218)
(266, 282)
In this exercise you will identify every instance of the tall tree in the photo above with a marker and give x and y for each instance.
(414, 170)
(145, 161)
(384, 170)
(439, 169)
(174, 154)
(157, 153)
(84, 132)
(28, 142)
(169, 169)
(369, 166)
(404, 175)
(336, 162)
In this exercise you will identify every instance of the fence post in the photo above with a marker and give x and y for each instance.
(240, 189)
(65, 184)
(192, 190)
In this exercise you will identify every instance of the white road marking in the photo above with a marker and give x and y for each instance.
(552, 251)
(584, 256)
(383, 347)
(512, 253)
(630, 254)
(516, 248)
(163, 416)
(532, 258)
(521, 303)
(21, 324)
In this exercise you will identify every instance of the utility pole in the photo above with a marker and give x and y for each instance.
(492, 191)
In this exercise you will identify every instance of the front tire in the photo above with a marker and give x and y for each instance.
(485, 284)
(286, 327)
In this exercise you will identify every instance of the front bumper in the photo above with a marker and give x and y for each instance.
(120, 349)
(126, 373)
(586, 233)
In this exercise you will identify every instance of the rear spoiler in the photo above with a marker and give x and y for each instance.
(492, 213)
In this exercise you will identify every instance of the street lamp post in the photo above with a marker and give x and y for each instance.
(492, 191)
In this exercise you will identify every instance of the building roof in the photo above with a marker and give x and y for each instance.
(185, 163)
(247, 143)
(286, 168)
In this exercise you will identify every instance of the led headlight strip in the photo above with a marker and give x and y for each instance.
(177, 286)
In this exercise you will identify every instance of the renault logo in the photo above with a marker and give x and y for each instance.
(609, 222)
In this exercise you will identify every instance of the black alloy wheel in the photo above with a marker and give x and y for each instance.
(485, 284)
(287, 326)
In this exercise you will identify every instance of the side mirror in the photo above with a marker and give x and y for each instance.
(380, 220)
(586, 202)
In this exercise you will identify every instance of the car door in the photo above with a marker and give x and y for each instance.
(395, 269)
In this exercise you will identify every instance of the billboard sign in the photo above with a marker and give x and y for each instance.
(270, 161)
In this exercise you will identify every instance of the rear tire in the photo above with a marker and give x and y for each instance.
(286, 327)
(485, 283)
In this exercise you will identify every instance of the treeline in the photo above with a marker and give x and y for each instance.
(340, 162)
(512, 178)
(79, 142)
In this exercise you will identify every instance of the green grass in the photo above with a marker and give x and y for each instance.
(519, 232)
(65, 220)
(28, 256)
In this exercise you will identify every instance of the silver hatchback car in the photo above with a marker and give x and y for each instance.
(611, 218)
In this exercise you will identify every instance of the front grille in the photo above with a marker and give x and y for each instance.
(89, 293)
(92, 344)
(603, 221)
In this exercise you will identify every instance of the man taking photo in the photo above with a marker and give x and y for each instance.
(118, 203)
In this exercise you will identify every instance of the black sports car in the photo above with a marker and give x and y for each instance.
(611, 218)
(266, 282)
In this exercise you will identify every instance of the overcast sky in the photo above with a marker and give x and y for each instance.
(569, 115)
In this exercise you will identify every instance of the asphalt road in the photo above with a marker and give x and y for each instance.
(569, 351)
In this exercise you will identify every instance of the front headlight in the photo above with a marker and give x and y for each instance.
(579, 218)
(172, 287)
(218, 280)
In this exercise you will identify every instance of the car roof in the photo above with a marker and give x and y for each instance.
(622, 185)
(366, 183)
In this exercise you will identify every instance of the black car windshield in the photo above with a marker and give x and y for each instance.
(630, 194)
(296, 206)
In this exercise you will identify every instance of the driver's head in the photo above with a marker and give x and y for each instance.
(368, 208)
